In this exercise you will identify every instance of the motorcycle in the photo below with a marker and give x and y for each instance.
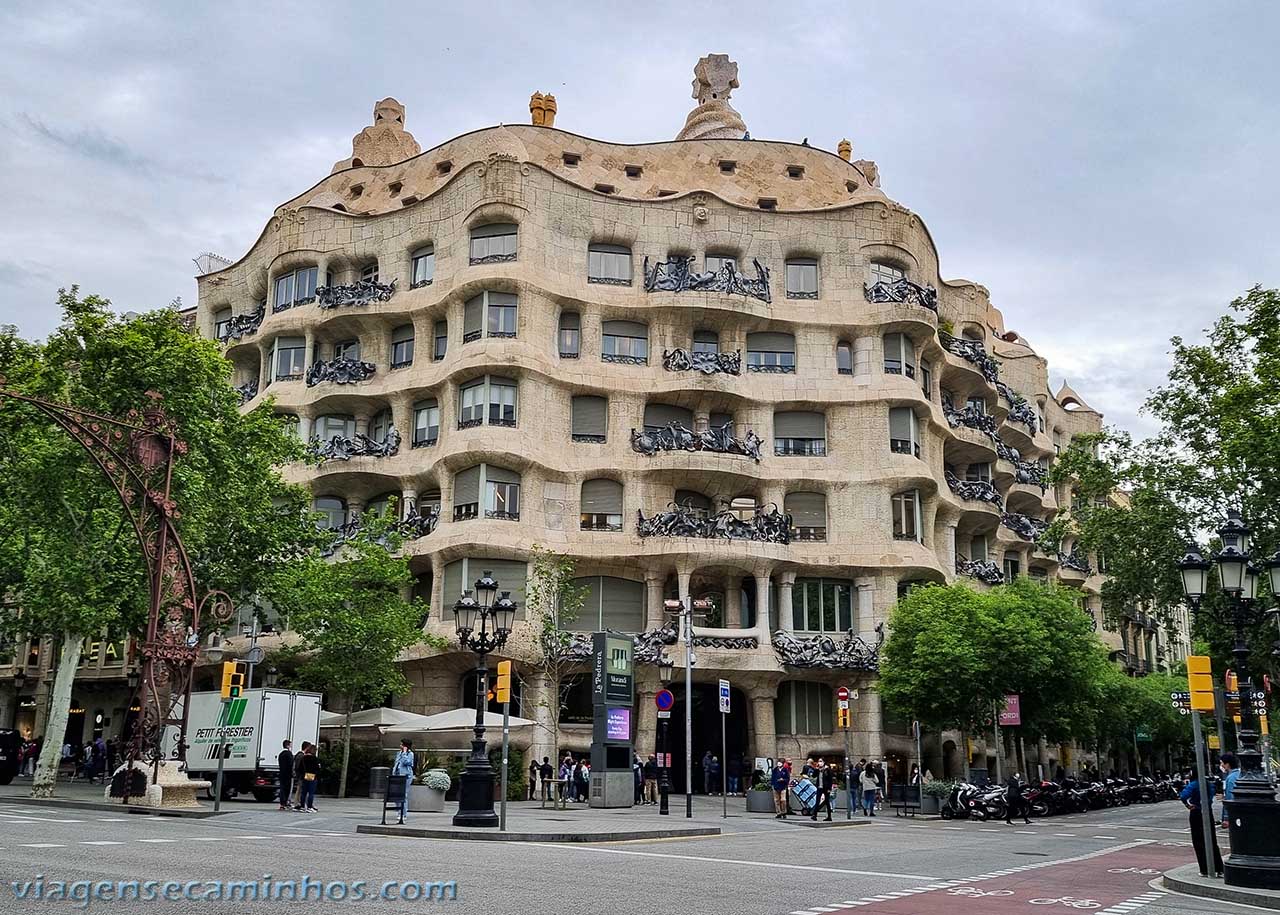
(962, 803)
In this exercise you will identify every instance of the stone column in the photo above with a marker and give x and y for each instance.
(438, 597)
(948, 560)
(408, 502)
(646, 736)
(264, 366)
(362, 423)
(786, 619)
(309, 356)
(865, 624)
(355, 508)
(762, 608)
(701, 420)
(766, 737)
(539, 705)
(871, 721)
(304, 427)
(655, 616)
(733, 603)
(862, 359)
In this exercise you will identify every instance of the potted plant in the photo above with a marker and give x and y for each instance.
(932, 794)
(427, 794)
(760, 797)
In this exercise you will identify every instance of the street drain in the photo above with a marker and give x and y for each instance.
(1033, 854)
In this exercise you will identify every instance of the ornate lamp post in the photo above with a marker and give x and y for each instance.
(1253, 811)
(483, 625)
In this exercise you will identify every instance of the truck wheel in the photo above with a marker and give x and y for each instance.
(264, 795)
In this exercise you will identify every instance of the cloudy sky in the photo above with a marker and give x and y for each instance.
(1106, 169)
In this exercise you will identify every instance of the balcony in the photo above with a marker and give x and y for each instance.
(809, 534)
(983, 570)
(412, 526)
(901, 290)
(681, 360)
(824, 652)
(971, 351)
(970, 417)
(601, 522)
(355, 295)
(676, 275)
(675, 437)
(1020, 411)
(1026, 527)
(974, 490)
(800, 447)
(622, 359)
(340, 371)
(1075, 562)
(242, 325)
(1023, 471)
(247, 391)
(765, 526)
(340, 448)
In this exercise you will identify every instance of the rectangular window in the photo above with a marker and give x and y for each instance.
(423, 268)
(706, 342)
(493, 243)
(609, 264)
(426, 424)
(717, 262)
(291, 358)
(590, 418)
(799, 433)
(802, 278)
(284, 291)
(502, 402)
(569, 337)
(328, 427)
(466, 494)
(471, 405)
(885, 273)
(1012, 566)
(502, 501)
(347, 350)
(625, 341)
(904, 433)
(441, 340)
(222, 324)
(822, 605)
(369, 273)
(770, 360)
(899, 355)
(906, 516)
(978, 473)
(926, 379)
(501, 315)
(402, 346)
(977, 405)
(978, 548)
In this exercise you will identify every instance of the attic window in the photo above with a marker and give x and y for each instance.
(338, 206)
(665, 193)
(605, 189)
(571, 159)
(356, 190)
(768, 203)
(394, 188)
(851, 186)
(795, 171)
(728, 166)
(633, 171)
(444, 167)
(411, 199)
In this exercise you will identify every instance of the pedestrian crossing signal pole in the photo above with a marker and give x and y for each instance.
(502, 692)
(1200, 685)
(842, 719)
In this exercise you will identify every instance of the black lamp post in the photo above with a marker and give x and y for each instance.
(1253, 811)
(483, 624)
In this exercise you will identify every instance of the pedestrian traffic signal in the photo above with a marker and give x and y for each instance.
(1200, 683)
(842, 718)
(234, 674)
(502, 689)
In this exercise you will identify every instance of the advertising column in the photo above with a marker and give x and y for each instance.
(613, 695)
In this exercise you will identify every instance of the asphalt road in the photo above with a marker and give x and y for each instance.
(881, 866)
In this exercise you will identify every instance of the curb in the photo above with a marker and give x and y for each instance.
(1186, 879)
(101, 806)
(493, 835)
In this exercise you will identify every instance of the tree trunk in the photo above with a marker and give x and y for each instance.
(46, 776)
(346, 751)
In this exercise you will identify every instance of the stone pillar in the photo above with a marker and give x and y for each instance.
(362, 423)
(438, 597)
(646, 736)
(304, 427)
(408, 502)
(309, 357)
(871, 722)
(733, 603)
(685, 578)
(655, 616)
(766, 737)
(701, 420)
(539, 705)
(865, 623)
(264, 366)
(762, 608)
(786, 619)
(862, 355)
(355, 508)
(949, 545)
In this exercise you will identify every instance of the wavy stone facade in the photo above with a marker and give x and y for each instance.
(844, 370)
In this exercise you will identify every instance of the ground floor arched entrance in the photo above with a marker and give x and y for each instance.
(706, 733)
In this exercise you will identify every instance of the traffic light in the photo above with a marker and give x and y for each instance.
(234, 674)
(502, 688)
(1200, 683)
(842, 718)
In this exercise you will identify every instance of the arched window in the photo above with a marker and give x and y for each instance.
(490, 314)
(626, 342)
(771, 352)
(369, 273)
(422, 267)
(333, 511)
(799, 432)
(904, 431)
(569, 338)
(808, 511)
(609, 264)
(402, 346)
(590, 418)
(899, 355)
(610, 603)
(743, 507)
(907, 521)
(803, 709)
(493, 243)
(694, 501)
(601, 505)
(660, 415)
(844, 358)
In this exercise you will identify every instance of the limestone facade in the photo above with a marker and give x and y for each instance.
(825, 343)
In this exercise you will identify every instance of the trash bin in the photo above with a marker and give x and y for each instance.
(378, 778)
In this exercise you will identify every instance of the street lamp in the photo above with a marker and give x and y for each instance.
(19, 681)
(273, 677)
(1253, 813)
(483, 625)
(132, 678)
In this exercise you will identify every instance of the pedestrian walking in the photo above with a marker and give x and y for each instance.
(285, 772)
(780, 782)
(706, 772)
(297, 774)
(533, 779)
(310, 779)
(869, 785)
(1230, 775)
(826, 784)
(1190, 796)
(402, 767)
(651, 780)
(809, 770)
(567, 779)
(1014, 803)
(637, 779)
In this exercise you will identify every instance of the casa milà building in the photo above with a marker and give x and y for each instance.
(716, 366)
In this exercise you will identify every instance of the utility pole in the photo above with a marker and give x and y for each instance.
(995, 721)
(686, 614)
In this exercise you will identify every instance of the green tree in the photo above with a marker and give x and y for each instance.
(354, 623)
(68, 558)
(553, 602)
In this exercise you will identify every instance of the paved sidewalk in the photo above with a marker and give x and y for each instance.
(1187, 879)
(81, 795)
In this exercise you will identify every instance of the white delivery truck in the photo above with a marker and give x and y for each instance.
(250, 731)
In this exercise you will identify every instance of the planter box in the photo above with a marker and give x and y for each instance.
(759, 802)
(425, 800)
(930, 805)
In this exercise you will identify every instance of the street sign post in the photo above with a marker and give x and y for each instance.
(1205, 810)
(724, 755)
(664, 701)
(842, 699)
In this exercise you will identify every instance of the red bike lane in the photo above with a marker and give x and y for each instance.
(1095, 883)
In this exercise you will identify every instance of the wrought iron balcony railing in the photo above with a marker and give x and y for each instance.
(800, 447)
(412, 526)
(970, 417)
(767, 525)
(238, 326)
(809, 534)
(341, 448)
(681, 360)
(974, 490)
(1075, 561)
(494, 259)
(1026, 527)
(1020, 411)
(500, 515)
(248, 391)
(677, 275)
(340, 371)
(622, 359)
(467, 511)
(983, 570)
(361, 292)
(589, 438)
(901, 290)
(675, 437)
(825, 652)
(971, 351)
(1023, 471)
